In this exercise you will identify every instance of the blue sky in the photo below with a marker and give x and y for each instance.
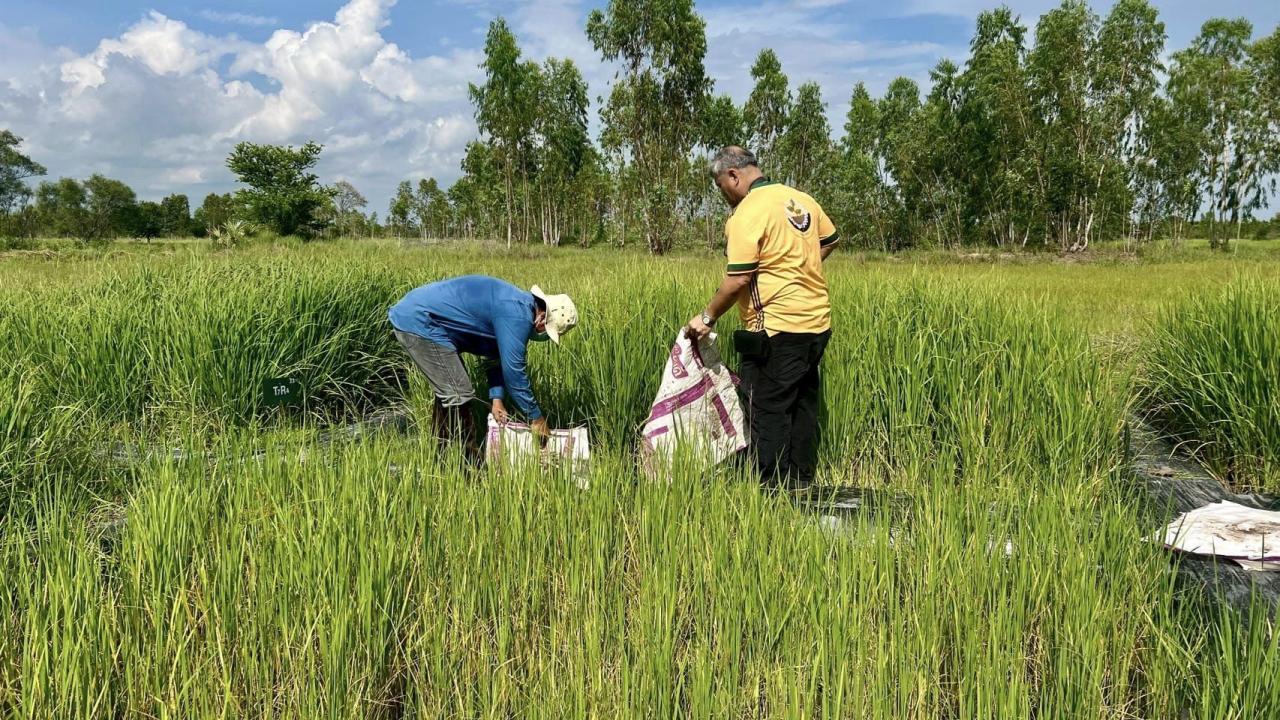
(155, 93)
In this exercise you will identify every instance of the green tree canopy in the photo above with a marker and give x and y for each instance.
(175, 216)
(15, 168)
(214, 212)
(348, 201)
(505, 106)
(282, 194)
(651, 116)
(150, 220)
(111, 209)
(769, 105)
(804, 151)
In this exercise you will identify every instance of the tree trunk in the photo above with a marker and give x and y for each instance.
(510, 201)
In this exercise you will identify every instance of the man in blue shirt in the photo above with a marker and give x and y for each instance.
(487, 317)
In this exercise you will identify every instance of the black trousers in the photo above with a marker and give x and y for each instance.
(781, 392)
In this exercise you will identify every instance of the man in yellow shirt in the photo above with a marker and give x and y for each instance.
(777, 239)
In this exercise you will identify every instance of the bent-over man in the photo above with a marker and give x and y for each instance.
(482, 316)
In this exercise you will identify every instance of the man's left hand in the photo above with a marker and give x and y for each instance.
(696, 329)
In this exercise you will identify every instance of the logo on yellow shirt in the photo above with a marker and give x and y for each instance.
(798, 216)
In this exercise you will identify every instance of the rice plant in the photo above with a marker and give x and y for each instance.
(1212, 377)
(264, 573)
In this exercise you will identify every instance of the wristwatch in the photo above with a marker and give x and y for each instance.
(707, 319)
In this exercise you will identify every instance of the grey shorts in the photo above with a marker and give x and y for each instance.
(443, 368)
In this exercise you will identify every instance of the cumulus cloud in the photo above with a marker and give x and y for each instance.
(161, 105)
(163, 46)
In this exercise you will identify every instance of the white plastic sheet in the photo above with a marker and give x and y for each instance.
(696, 415)
(1249, 536)
(513, 443)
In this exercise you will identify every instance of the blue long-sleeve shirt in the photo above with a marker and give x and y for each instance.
(482, 316)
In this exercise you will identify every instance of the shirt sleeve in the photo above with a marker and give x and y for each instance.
(493, 371)
(743, 235)
(827, 235)
(513, 335)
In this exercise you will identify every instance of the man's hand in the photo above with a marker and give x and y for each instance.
(540, 430)
(499, 411)
(696, 329)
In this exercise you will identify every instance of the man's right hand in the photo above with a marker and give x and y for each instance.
(499, 411)
(696, 329)
(540, 430)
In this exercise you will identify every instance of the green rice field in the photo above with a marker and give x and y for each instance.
(173, 548)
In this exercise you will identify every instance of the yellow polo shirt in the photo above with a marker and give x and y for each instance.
(776, 235)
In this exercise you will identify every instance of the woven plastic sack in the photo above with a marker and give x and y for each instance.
(567, 450)
(1249, 536)
(696, 416)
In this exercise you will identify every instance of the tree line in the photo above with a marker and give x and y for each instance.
(281, 196)
(1047, 139)
(1052, 139)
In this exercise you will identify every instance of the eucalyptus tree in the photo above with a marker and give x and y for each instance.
(430, 207)
(348, 202)
(1125, 78)
(1264, 73)
(998, 126)
(505, 111)
(400, 210)
(721, 125)
(658, 95)
(476, 198)
(1258, 148)
(805, 148)
(1066, 146)
(1169, 187)
(940, 166)
(897, 115)
(768, 107)
(1208, 82)
(856, 202)
(565, 146)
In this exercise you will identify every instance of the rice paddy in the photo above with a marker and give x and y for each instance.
(172, 547)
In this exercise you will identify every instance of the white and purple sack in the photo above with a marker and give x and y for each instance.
(514, 445)
(696, 415)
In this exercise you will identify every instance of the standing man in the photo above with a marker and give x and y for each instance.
(487, 317)
(777, 239)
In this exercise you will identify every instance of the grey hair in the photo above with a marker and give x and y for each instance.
(731, 157)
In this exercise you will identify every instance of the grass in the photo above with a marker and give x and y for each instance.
(270, 575)
(1213, 380)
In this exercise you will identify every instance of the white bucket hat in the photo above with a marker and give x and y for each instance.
(562, 315)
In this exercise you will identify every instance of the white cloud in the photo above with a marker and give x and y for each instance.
(164, 46)
(161, 105)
